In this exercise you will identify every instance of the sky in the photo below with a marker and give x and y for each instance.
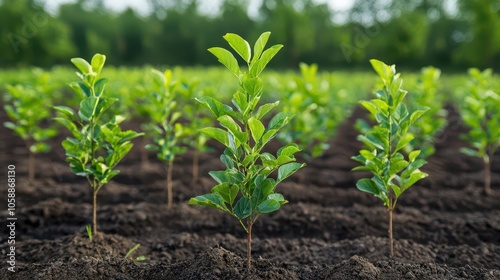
(208, 6)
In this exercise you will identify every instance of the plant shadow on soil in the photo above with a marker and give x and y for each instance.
(445, 228)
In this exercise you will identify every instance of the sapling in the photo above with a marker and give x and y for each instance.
(164, 128)
(481, 112)
(28, 109)
(433, 121)
(245, 189)
(392, 173)
(98, 144)
(198, 117)
(315, 123)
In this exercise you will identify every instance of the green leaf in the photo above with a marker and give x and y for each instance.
(217, 134)
(227, 59)
(257, 67)
(81, 88)
(40, 148)
(70, 126)
(257, 128)
(413, 155)
(259, 46)
(97, 62)
(213, 200)
(65, 111)
(287, 170)
(278, 197)
(264, 109)
(87, 108)
(396, 189)
(227, 192)
(279, 120)
(268, 206)
(383, 70)
(370, 138)
(398, 165)
(417, 114)
(469, 152)
(221, 176)
(229, 123)
(99, 87)
(367, 185)
(152, 147)
(240, 101)
(228, 162)
(367, 154)
(10, 125)
(215, 106)
(288, 150)
(243, 208)
(239, 45)
(370, 106)
(82, 65)
(414, 177)
(407, 138)
(253, 87)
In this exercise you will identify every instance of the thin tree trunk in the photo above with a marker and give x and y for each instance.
(249, 244)
(169, 183)
(487, 177)
(391, 241)
(31, 167)
(95, 211)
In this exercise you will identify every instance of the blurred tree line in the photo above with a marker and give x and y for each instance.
(412, 33)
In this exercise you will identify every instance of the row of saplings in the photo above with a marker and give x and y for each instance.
(246, 189)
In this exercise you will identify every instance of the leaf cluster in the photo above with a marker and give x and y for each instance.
(433, 121)
(161, 108)
(244, 135)
(392, 173)
(96, 145)
(27, 106)
(481, 112)
(316, 119)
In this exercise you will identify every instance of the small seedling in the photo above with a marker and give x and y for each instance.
(97, 145)
(244, 188)
(164, 128)
(481, 112)
(392, 173)
(132, 250)
(28, 108)
(89, 231)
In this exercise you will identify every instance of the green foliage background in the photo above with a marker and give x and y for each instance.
(413, 33)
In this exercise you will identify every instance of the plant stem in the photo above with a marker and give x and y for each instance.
(249, 243)
(169, 183)
(391, 241)
(487, 176)
(95, 210)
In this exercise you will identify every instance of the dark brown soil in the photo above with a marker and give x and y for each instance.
(445, 227)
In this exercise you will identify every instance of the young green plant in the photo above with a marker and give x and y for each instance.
(164, 128)
(481, 112)
(433, 121)
(28, 109)
(392, 173)
(97, 145)
(245, 189)
(198, 117)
